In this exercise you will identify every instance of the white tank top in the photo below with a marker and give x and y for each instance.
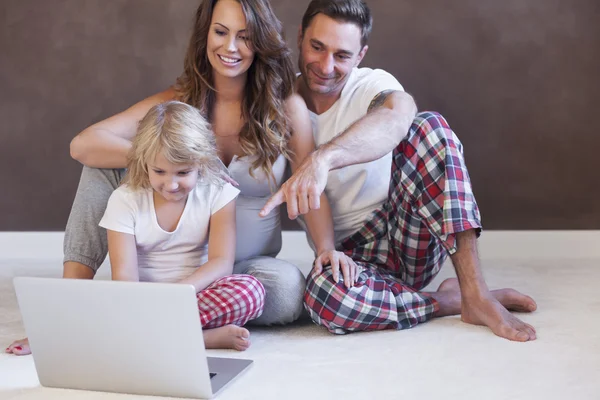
(256, 236)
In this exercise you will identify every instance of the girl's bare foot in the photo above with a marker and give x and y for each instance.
(19, 347)
(227, 337)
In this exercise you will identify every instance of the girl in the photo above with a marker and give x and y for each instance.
(158, 222)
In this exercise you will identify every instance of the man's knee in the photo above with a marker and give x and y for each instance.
(433, 126)
(321, 290)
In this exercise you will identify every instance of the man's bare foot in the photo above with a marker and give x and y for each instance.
(491, 312)
(19, 348)
(227, 337)
(511, 299)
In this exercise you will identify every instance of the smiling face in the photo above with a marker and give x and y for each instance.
(173, 182)
(329, 50)
(227, 44)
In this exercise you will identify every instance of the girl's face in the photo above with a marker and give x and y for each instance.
(228, 48)
(171, 181)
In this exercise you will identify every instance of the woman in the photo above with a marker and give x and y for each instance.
(238, 72)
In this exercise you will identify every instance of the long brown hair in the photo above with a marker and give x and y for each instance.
(270, 81)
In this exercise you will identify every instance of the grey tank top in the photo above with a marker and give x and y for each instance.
(256, 236)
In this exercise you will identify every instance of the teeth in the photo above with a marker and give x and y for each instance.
(229, 60)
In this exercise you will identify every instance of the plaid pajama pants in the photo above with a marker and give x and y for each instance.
(234, 299)
(404, 244)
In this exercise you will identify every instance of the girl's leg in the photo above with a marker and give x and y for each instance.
(225, 306)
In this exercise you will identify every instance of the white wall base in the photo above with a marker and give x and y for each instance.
(492, 245)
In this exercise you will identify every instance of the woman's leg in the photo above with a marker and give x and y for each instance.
(284, 288)
(85, 245)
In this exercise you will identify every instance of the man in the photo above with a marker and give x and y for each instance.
(369, 138)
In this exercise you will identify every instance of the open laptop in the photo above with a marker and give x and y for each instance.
(124, 337)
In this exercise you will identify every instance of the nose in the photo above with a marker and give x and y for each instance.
(231, 44)
(326, 65)
(171, 185)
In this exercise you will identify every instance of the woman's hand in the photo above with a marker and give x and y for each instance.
(338, 260)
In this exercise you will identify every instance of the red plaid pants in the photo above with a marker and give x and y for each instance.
(234, 299)
(405, 243)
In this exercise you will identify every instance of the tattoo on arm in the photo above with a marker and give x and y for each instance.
(379, 99)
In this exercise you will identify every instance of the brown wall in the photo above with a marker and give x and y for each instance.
(518, 81)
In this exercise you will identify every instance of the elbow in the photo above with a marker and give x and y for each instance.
(77, 149)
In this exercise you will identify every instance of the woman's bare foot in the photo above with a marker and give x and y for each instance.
(19, 347)
(227, 337)
(449, 298)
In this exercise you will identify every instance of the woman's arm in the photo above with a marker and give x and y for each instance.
(319, 221)
(123, 256)
(221, 249)
(106, 143)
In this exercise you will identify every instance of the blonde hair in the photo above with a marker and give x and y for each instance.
(182, 135)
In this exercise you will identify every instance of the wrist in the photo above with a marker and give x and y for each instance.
(324, 157)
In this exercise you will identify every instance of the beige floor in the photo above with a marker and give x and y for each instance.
(443, 358)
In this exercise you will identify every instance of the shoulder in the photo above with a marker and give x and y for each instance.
(295, 105)
(368, 74)
(127, 196)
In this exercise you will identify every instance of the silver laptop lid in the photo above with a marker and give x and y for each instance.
(115, 336)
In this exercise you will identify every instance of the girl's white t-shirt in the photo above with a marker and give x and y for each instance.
(167, 256)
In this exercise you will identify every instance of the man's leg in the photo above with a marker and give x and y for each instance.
(377, 301)
(432, 212)
(85, 245)
(284, 286)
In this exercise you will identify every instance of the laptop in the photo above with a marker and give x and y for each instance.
(123, 337)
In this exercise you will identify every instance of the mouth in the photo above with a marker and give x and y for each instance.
(321, 78)
(229, 60)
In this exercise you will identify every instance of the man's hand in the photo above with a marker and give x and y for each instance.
(303, 190)
(488, 311)
(338, 260)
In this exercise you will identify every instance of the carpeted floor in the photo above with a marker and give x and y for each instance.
(443, 358)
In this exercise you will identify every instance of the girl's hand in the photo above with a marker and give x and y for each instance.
(338, 260)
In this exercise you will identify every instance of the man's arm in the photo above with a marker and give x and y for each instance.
(386, 123)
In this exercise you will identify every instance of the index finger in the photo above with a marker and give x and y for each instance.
(275, 200)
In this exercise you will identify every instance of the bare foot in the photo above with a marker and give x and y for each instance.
(511, 299)
(491, 311)
(227, 337)
(19, 347)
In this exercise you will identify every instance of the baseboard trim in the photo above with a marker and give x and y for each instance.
(492, 245)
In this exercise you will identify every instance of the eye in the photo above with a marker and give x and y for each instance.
(343, 57)
(242, 37)
(158, 171)
(317, 48)
(183, 173)
(220, 32)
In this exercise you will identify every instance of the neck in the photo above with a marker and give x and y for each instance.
(317, 102)
(229, 89)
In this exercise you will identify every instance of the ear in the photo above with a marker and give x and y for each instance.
(361, 55)
(300, 37)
